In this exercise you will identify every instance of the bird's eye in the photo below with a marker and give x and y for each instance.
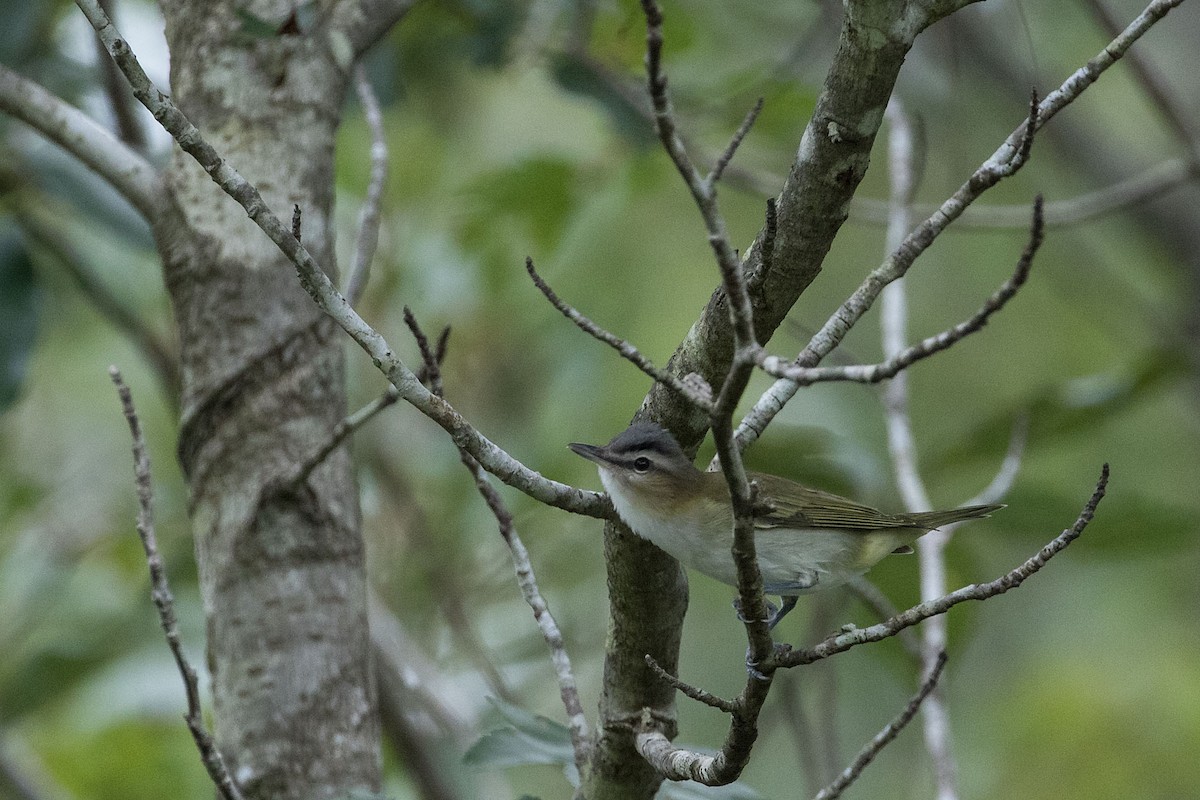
(641, 463)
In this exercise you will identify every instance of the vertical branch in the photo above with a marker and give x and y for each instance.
(903, 449)
(567, 687)
(368, 220)
(165, 602)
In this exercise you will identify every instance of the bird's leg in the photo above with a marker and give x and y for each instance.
(777, 614)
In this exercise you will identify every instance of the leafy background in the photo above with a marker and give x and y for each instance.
(507, 142)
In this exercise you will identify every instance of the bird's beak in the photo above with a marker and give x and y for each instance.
(589, 451)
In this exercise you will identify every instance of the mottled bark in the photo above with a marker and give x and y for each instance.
(281, 566)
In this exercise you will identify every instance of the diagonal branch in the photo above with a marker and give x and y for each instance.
(1006, 160)
(314, 280)
(163, 600)
(368, 220)
(630, 353)
(885, 736)
(131, 175)
(841, 642)
(874, 373)
(567, 687)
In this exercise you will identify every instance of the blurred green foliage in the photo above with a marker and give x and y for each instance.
(507, 142)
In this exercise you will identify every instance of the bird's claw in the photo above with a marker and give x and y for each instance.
(772, 611)
(752, 668)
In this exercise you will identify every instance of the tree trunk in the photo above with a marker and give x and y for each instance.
(281, 566)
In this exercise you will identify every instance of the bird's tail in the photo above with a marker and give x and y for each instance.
(931, 520)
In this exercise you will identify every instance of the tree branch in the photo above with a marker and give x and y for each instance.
(131, 175)
(651, 742)
(319, 287)
(163, 600)
(361, 23)
(841, 642)
(874, 373)
(567, 687)
(885, 736)
(368, 219)
(1006, 160)
(690, 392)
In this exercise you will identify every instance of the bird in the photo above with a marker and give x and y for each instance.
(806, 539)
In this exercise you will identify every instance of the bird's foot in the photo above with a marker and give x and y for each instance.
(772, 611)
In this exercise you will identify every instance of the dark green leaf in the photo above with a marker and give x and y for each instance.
(584, 78)
(527, 739)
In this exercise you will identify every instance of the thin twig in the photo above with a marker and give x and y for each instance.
(841, 642)
(694, 692)
(316, 282)
(892, 367)
(873, 598)
(165, 602)
(1150, 183)
(120, 102)
(368, 218)
(999, 165)
(727, 156)
(567, 686)
(346, 428)
(622, 346)
(885, 736)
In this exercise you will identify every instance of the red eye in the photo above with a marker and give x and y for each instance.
(641, 463)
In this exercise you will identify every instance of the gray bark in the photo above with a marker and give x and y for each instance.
(281, 567)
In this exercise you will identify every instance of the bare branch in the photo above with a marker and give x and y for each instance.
(1006, 159)
(874, 373)
(902, 447)
(627, 350)
(567, 687)
(120, 101)
(841, 642)
(694, 692)
(361, 23)
(727, 156)
(873, 598)
(131, 175)
(165, 602)
(1150, 183)
(884, 737)
(317, 284)
(338, 436)
(368, 219)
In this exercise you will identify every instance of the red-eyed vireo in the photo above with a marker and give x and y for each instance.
(806, 539)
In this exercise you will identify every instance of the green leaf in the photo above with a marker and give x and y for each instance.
(20, 307)
(573, 74)
(527, 739)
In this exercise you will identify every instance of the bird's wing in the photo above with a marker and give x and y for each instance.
(785, 504)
